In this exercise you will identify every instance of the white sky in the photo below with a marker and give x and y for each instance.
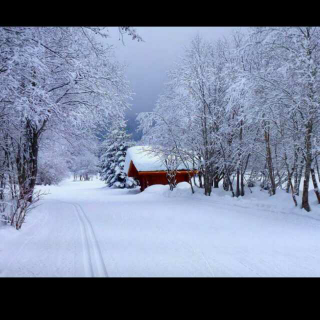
(149, 61)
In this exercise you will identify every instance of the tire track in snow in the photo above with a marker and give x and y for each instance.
(92, 257)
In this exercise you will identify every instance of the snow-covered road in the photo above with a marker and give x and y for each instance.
(85, 229)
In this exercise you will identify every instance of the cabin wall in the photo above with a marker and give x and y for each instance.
(150, 179)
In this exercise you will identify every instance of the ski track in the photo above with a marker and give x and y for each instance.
(92, 257)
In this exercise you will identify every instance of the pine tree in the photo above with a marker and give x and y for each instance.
(112, 160)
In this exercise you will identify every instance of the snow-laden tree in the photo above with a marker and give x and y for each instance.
(83, 165)
(55, 78)
(286, 94)
(245, 110)
(113, 154)
(187, 117)
(53, 162)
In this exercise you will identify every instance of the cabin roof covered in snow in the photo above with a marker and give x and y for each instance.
(144, 160)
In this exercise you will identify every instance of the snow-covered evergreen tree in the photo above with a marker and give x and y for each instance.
(112, 159)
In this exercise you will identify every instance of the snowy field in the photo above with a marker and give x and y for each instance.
(85, 229)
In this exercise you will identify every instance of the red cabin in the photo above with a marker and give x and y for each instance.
(144, 166)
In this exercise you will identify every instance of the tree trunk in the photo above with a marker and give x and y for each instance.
(293, 194)
(207, 184)
(299, 177)
(34, 164)
(241, 184)
(269, 161)
(200, 175)
(230, 184)
(317, 169)
(305, 194)
(290, 180)
(315, 184)
(216, 181)
(225, 183)
(238, 183)
(27, 163)
(190, 182)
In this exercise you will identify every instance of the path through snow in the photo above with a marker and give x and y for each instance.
(85, 229)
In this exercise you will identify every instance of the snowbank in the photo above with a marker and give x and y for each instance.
(157, 188)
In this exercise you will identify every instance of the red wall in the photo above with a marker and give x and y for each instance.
(147, 180)
(157, 177)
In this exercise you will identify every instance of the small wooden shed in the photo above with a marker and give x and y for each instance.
(144, 166)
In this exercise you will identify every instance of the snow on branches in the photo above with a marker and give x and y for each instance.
(112, 159)
(245, 110)
(62, 80)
